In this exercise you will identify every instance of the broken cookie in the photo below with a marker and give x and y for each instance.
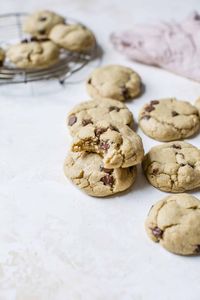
(87, 171)
(117, 144)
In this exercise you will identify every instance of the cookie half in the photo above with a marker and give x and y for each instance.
(173, 167)
(72, 37)
(40, 23)
(118, 145)
(90, 112)
(174, 222)
(86, 170)
(33, 54)
(114, 82)
(169, 119)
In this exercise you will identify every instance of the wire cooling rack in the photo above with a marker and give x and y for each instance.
(69, 62)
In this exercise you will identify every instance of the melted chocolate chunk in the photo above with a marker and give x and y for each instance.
(176, 146)
(107, 180)
(89, 81)
(149, 108)
(174, 113)
(157, 232)
(154, 102)
(197, 250)
(99, 131)
(111, 108)
(86, 122)
(104, 145)
(155, 171)
(72, 120)
(109, 171)
(42, 31)
(42, 19)
(125, 92)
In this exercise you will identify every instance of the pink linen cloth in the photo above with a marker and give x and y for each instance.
(170, 45)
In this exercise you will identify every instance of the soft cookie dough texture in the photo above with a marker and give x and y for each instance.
(169, 119)
(173, 167)
(40, 23)
(115, 82)
(90, 112)
(118, 145)
(174, 222)
(88, 173)
(34, 54)
(72, 37)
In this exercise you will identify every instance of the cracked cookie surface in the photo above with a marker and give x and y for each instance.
(115, 82)
(40, 23)
(118, 145)
(173, 167)
(90, 112)
(72, 37)
(174, 222)
(87, 171)
(169, 119)
(33, 54)
(197, 104)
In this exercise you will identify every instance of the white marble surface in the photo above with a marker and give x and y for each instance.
(56, 243)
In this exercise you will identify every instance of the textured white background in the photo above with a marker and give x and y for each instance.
(56, 243)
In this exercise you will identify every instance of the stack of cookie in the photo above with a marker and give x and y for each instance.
(105, 149)
(48, 33)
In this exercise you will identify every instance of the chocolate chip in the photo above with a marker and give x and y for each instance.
(111, 108)
(109, 171)
(182, 165)
(72, 120)
(42, 31)
(154, 102)
(146, 117)
(174, 113)
(107, 180)
(104, 145)
(86, 122)
(197, 250)
(24, 41)
(42, 19)
(89, 81)
(176, 146)
(155, 171)
(35, 39)
(157, 232)
(149, 108)
(99, 131)
(125, 92)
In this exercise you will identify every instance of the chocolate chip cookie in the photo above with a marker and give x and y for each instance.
(173, 167)
(33, 54)
(2, 56)
(174, 222)
(115, 82)
(72, 37)
(118, 145)
(169, 119)
(40, 23)
(90, 112)
(87, 171)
